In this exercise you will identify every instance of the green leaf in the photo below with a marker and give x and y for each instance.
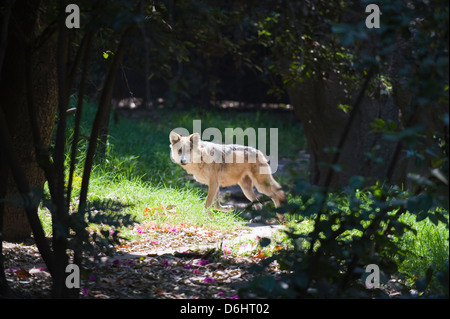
(301, 280)
(356, 182)
(378, 124)
(422, 283)
(421, 216)
(439, 175)
(302, 186)
(106, 54)
(264, 242)
(345, 107)
(420, 203)
(441, 217)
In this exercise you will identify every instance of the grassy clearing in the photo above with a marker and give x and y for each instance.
(138, 173)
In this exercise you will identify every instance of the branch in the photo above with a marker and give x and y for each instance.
(76, 134)
(101, 112)
(347, 128)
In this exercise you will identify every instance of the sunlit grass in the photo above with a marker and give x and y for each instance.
(429, 247)
(137, 171)
(138, 174)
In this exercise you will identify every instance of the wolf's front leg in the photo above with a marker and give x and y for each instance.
(213, 198)
(225, 208)
(213, 191)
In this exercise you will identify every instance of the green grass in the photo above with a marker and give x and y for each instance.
(138, 173)
(425, 247)
(163, 206)
(429, 247)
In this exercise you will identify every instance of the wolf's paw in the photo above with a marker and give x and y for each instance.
(257, 206)
(226, 208)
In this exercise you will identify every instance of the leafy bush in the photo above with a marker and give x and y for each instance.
(352, 230)
(372, 220)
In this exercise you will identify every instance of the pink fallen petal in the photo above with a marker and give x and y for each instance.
(203, 262)
(196, 272)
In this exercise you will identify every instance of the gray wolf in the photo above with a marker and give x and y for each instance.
(222, 165)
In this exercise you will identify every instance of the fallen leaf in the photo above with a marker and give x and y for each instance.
(22, 273)
(260, 254)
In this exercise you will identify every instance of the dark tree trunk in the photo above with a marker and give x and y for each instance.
(146, 42)
(21, 45)
(316, 103)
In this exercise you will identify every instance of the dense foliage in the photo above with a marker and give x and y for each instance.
(361, 224)
(203, 51)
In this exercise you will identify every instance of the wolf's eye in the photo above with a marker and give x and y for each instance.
(179, 151)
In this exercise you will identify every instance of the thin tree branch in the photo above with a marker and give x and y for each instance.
(105, 98)
(60, 215)
(339, 147)
(313, 262)
(81, 92)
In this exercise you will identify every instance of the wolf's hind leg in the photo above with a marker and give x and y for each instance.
(246, 185)
(266, 184)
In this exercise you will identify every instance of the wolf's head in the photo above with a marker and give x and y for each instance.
(185, 149)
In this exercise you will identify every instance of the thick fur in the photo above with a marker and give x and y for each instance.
(218, 165)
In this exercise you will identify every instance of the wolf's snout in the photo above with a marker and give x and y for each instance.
(183, 161)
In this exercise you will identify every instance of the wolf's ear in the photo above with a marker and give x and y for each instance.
(174, 137)
(194, 138)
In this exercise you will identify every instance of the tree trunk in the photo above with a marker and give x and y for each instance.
(146, 41)
(21, 44)
(316, 103)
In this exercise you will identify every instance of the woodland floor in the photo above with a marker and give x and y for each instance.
(190, 263)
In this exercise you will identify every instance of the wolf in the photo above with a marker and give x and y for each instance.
(222, 165)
